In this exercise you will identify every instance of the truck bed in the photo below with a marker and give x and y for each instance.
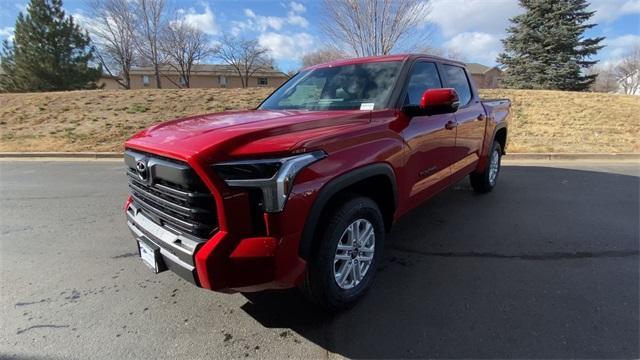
(496, 109)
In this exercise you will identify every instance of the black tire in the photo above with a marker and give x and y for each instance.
(320, 285)
(484, 182)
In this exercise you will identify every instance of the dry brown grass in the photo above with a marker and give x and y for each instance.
(571, 122)
(101, 120)
(542, 121)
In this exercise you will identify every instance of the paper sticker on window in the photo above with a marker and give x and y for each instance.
(367, 106)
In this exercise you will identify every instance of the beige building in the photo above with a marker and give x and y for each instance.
(485, 77)
(109, 82)
(202, 76)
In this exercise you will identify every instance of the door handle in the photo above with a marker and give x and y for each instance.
(481, 117)
(450, 125)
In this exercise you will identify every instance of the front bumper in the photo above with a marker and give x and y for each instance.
(223, 263)
(176, 251)
(229, 245)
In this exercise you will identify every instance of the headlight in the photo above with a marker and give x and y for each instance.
(274, 177)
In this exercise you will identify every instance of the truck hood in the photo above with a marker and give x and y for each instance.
(244, 133)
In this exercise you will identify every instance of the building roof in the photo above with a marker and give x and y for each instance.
(204, 69)
(109, 76)
(479, 69)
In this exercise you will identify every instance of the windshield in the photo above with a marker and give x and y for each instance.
(350, 87)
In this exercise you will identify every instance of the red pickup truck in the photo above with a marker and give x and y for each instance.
(302, 190)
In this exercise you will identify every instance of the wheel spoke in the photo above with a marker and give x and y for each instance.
(344, 274)
(344, 247)
(370, 250)
(355, 232)
(352, 234)
(363, 240)
(365, 257)
(364, 267)
(355, 269)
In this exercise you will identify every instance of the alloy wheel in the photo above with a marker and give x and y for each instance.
(354, 254)
(494, 167)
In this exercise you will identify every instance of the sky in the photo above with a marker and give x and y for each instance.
(290, 29)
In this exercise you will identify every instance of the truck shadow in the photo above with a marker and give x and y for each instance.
(546, 266)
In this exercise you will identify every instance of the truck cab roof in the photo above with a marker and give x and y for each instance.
(371, 59)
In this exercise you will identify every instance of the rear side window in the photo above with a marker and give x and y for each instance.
(424, 76)
(457, 79)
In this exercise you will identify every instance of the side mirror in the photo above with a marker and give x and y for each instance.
(434, 102)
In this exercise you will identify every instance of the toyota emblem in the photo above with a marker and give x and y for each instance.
(141, 167)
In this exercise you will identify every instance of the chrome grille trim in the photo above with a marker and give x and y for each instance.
(172, 195)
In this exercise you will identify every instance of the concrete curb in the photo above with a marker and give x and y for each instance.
(62, 155)
(569, 156)
(509, 156)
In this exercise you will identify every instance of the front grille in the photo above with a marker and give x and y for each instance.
(171, 194)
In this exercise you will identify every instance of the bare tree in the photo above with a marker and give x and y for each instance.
(112, 29)
(183, 46)
(375, 27)
(433, 50)
(149, 32)
(456, 54)
(322, 56)
(245, 56)
(628, 72)
(605, 78)
(449, 52)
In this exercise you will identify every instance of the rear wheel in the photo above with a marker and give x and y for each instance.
(344, 265)
(485, 181)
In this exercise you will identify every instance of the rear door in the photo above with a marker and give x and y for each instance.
(430, 141)
(470, 118)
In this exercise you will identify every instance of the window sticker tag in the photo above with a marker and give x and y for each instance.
(367, 106)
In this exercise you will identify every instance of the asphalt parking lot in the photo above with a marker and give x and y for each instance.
(546, 266)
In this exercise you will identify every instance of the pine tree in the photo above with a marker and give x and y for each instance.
(49, 52)
(546, 48)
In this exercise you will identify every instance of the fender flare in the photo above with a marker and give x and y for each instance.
(499, 127)
(332, 188)
(484, 158)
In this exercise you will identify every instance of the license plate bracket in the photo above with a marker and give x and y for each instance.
(150, 255)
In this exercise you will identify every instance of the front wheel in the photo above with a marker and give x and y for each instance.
(485, 181)
(345, 262)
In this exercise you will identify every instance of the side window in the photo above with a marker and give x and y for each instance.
(424, 76)
(457, 79)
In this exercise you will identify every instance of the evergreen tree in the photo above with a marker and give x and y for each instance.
(49, 52)
(546, 48)
(7, 66)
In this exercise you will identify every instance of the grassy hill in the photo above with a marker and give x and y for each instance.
(541, 121)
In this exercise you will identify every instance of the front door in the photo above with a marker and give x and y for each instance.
(430, 139)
